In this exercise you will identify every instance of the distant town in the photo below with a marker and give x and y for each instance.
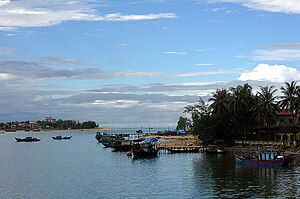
(49, 123)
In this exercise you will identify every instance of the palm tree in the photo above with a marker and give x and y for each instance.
(220, 102)
(240, 102)
(220, 113)
(266, 106)
(290, 98)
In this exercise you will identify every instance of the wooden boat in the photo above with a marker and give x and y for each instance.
(27, 139)
(122, 145)
(106, 144)
(59, 137)
(106, 140)
(142, 150)
(264, 159)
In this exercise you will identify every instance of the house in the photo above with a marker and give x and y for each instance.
(286, 131)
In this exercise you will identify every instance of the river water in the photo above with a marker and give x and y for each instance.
(82, 168)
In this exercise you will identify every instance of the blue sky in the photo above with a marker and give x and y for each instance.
(138, 63)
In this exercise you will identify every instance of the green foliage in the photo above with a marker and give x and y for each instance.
(236, 111)
(182, 123)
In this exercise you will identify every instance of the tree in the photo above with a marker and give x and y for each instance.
(182, 123)
(201, 121)
(290, 98)
(265, 107)
(219, 106)
(240, 102)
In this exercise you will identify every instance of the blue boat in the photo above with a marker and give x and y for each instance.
(264, 159)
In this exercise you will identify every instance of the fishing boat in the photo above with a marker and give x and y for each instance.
(264, 159)
(106, 139)
(27, 139)
(142, 150)
(122, 145)
(59, 137)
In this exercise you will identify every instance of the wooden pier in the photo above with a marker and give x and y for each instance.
(180, 149)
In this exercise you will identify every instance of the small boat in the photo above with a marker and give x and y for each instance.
(264, 159)
(221, 151)
(59, 137)
(27, 139)
(122, 145)
(144, 150)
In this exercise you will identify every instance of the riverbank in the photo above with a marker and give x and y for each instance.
(54, 130)
(192, 141)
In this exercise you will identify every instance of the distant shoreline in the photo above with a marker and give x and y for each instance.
(53, 130)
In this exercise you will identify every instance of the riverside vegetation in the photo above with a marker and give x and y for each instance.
(233, 113)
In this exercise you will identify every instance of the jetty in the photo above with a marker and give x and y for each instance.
(180, 149)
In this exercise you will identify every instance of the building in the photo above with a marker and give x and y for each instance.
(50, 119)
(287, 132)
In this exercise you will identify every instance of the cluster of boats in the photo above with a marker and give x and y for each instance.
(143, 147)
(34, 139)
(140, 147)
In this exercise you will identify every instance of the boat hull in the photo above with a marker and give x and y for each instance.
(256, 162)
(61, 138)
(106, 144)
(143, 154)
(27, 139)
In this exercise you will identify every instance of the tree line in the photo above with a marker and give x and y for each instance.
(231, 113)
(58, 124)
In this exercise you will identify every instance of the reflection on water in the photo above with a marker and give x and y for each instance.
(229, 180)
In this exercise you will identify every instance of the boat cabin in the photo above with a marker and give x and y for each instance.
(268, 155)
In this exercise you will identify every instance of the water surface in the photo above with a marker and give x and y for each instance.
(82, 168)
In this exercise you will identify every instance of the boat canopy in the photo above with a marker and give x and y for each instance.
(149, 140)
(181, 132)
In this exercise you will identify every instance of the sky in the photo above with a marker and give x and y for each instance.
(126, 63)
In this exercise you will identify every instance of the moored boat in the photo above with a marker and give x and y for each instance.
(27, 139)
(264, 159)
(122, 145)
(106, 139)
(144, 150)
(59, 137)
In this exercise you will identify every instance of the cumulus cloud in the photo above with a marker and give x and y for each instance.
(29, 13)
(282, 6)
(273, 73)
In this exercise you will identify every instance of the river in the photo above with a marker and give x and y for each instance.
(82, 168)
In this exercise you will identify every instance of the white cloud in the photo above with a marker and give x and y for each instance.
(282, 6)
(5, 76)
(175, 53)
(277, 54)
(30, 13)
(212, 72)
(273, 73)
(205, 64)
(3, 2)
(6, 51)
